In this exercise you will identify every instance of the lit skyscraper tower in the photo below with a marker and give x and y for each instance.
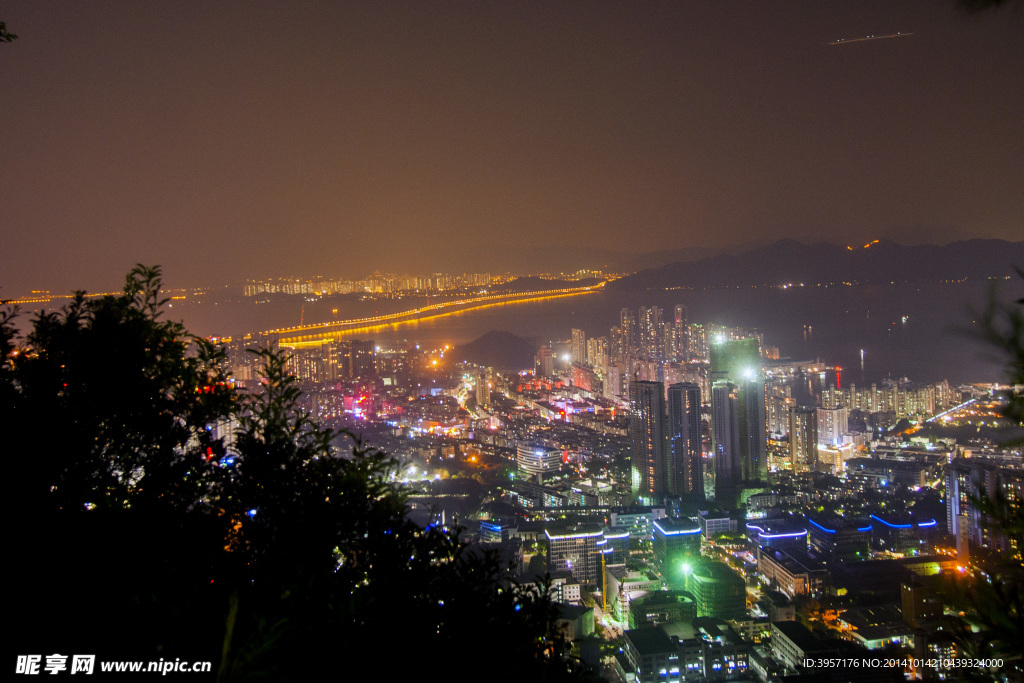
(647, 432)
(483, 389)
(738, 361)
(685, 470)
(698, 339)
(597, 353)
(803, 438)
(753, 426)
(627, 332)
(652, 333)
(579, 347)
(680, 338)
(734, 359)
(725, 433)
(833, 423)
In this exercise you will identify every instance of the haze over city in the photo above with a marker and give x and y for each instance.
(228, 141)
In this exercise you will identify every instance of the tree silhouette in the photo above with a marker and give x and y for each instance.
(5, 35)
(141, 534)
(992, 599)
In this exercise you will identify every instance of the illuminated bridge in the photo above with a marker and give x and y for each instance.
(319, 333)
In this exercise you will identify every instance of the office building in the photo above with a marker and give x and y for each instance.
(674, 540)
(576, 551)
(535, 459)
(718, 591)
(838, 538)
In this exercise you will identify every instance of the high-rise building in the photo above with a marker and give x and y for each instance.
(803, 438)
(725, 433)
(674, 540)
(996, 476)
(352, 358)
(613, 381)
(753, 431)
(685, 470)
(680, 336)
(576, 550)
(579, 346)
(597, 353)
(718, 591)
(833, 423)
(735, 359)
(483, 389)
(651, 339)
(647, 432)
(545, 361)
(738, 361)
(627, 333)
(698, 338)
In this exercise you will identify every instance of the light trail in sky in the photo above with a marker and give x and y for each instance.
(844, 41)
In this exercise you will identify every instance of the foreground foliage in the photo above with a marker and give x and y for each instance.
(143, 533)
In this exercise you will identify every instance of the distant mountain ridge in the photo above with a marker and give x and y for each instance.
(791, 262)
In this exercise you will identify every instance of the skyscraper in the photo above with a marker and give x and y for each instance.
(627, 333)
(651, 338)
(685, 470)
(738, 361)
(753, 429)
(597, 353)
(579, 346)
(483, 388)
(647, 432)
(803, 438)
(833, 423)
(680, 336)
(735, 359)
(725, 434)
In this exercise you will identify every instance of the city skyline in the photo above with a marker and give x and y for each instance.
(244, 142)
(645, 343)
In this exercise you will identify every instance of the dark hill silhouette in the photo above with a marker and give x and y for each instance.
(496, 349)
(788, 261)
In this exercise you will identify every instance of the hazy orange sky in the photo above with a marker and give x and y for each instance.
(229, 140)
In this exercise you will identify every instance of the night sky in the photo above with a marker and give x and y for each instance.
(227, 140)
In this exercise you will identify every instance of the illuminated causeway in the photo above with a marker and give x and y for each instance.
(316, 334)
